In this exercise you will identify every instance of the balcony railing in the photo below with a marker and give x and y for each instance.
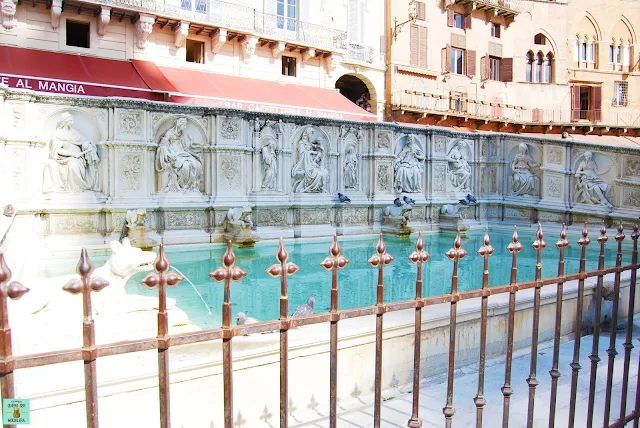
(497, 111)
(240, 17)
(360, 53)
(507, 6)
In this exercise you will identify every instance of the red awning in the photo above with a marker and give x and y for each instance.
(219, 90)
(72, 74)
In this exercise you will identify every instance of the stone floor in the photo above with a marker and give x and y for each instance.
(396, 411)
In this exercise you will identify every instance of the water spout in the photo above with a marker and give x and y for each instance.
(194, 287)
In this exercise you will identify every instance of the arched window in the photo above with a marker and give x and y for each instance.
(539, 66)
(548, 68)
(529, 68)
(539, 39)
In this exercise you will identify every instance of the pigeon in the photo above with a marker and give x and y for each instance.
(305, 309)
(343, 198)
(242, 319)
(471, 199)
(463, 202)
(408, 200)
(397, 202)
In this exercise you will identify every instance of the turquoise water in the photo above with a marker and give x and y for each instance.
(258, 294)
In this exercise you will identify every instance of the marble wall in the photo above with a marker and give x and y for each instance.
(75, 165)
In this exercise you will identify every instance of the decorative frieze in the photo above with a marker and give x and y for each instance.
(383, 182)
(554, 187)
(555, 155)
(183, 220)
(314, 216)
(230, 128)
(631, 198)
(275, 217)
(632, 166)
(73, 223)
(131, 167)
(229, 172)
(352, 215)
(130, 122)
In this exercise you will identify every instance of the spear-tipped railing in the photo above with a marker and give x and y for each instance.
(229, 272)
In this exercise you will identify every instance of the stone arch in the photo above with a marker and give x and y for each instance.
(350, 80)
(549, 38)
(588, 25)
(169, 121)
(621, 31)
(51, 120)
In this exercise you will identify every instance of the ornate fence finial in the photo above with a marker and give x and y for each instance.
(282, 267)
(584, 239)
(334, 260)
(419, 255)
(635, 234)
(603, 234)
(456, 252)
(515, 246)
(539, 243)
(620, 235)
(563, 242)
(227, 272)
(486, 250)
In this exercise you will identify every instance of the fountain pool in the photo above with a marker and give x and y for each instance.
(258, 294)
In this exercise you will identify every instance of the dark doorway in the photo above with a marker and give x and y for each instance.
(355, 90)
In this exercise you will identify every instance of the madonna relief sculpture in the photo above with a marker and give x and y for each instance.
(523, 180)
(458, 168)
(590, 188)
(73, 162)
(176, 156)
(408, 167)
(310, 175)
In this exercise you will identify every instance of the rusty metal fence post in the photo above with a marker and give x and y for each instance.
(379, 260)
(611, 352)
(85, 285)
(514, 248)
(594, 358)
(163, 279)
(282, 269)
(554, 372)
(456, 253)
(333, 262)
(13, 290)
(227, 272)
(418, 257)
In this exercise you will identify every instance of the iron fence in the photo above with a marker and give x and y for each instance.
(162, 278)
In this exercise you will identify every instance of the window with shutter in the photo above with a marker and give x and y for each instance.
(575, 102)
(597, 103)
(422, 47)
(471, 63)
(421, 11)
(357, 10)
(506, 70)
(414, 45)
(451, 18)
(484, 68)
(446, 59)
(467, 22)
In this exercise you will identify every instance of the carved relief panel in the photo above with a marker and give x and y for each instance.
(179, 160)
(131, 177)
(310, 171)
(409, 164)
(351, 138)
(73, 155)
(631, 168)
(130, 124)
(229, 130)
(523, 163)
(593, 177)
(459, 158)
